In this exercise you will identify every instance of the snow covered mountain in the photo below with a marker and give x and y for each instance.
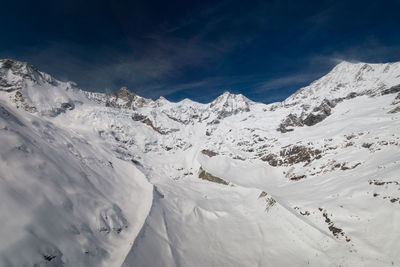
(92, 179)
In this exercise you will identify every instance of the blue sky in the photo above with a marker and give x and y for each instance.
(198, 49)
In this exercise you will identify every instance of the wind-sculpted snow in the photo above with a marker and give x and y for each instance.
(93, 179)
(65, 200)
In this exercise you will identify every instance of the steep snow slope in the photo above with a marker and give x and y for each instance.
(310, 181)
(65, 199)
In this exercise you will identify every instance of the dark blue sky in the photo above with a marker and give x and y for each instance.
(198, 49)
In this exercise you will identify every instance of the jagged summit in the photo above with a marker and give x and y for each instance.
(229, 104)
(345, 78)
(123, 98)
(125, 94)
(349, 78)
(36, 91)
(124, 91)
(14, 73)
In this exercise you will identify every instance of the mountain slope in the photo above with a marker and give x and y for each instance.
(120, 180)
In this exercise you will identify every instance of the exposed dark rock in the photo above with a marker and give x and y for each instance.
(209, 177)
(366, 145)
(23, 70)
(379, 183)
(143, 119)
(318, 114)
(313, 119)
(299, 177)
(395, 110)
(391, 90)
(238, 157)
(269, 201)
(282, 129)
(49, 257)
(331, 226)
(216, 121)
(123, 99)
(185, 122)
(223, 107)
(349, 137)
(272, 159)
(138, 117)
(263, 194)
(62, 109)
(349, 144)
(209, 153)
(290, 121)
(351, 95)
(69, 106)
(20, 102)
(296, 154)
(291, 155)
(148, 122)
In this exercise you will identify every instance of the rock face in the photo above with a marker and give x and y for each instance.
(123, 99)
(13, 74)
(35, 91)
(209, 177)
(230, 104)
(93, 179)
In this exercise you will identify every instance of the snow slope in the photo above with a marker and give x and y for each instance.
(91, 179)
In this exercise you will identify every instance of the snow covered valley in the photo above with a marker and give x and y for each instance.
(92, 179)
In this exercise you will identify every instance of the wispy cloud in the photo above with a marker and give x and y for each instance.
(277, 83)
(250, 48)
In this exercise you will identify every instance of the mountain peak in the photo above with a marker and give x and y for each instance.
(228, 104)
(13, 73)
(124, 92)
(357, 78)
(124, 89)
(227, 98)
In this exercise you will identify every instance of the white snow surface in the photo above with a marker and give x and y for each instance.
(90, 179)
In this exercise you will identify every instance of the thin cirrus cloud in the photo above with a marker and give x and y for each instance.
(264, 49)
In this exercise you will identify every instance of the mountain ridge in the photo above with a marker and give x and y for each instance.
(343, 66)
(91, 179)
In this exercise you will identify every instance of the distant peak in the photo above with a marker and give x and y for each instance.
(161, 101)
(124, 89)
(15, 65)
(228, 96)
(124, 92)
(229, 104)
(25, 71)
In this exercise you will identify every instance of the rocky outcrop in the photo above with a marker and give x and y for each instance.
(209, 177)
(144, 119)
(123, 99)
(209, 153)
(13, 75)
(391, 90)
(318, 114)
(293, 154)
(229, 104)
